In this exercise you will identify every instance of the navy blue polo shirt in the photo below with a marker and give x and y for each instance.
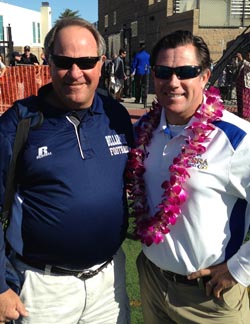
(70, 207)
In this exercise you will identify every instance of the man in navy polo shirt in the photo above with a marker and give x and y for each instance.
(69, 216)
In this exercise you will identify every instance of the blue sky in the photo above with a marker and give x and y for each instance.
(88, 9)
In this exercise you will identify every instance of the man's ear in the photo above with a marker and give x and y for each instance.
(205, 77)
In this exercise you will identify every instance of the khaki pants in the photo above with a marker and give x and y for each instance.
(164, 301)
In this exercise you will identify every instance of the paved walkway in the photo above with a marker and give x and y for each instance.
(136, 110)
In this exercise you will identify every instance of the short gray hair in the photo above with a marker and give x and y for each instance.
(72, 21)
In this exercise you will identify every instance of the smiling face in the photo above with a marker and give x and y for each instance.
(180, 98)
(74, 88)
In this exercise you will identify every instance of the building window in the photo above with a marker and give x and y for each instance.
(239, 13)
(176, 6)
(184, 5)
(1, 28)
(240, 7)
(134, 29)
(106, 21)
(34, 32)
(221, 13)
(114, 18)
(38, 33)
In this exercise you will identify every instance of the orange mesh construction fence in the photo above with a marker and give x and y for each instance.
(21, 81)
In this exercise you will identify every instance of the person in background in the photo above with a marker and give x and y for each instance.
(2, 66)
(243, 85)
(28, 57)
(66, 231)
(191, 187)
(140, 72)
(15, 59)
(119, 73)
(43, 58)
(104, 82)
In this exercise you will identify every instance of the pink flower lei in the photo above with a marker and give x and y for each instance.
(152, 229)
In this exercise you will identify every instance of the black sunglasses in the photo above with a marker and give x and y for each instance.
(66, 62)
(181, 72)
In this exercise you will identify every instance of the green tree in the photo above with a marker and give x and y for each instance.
(69, 13)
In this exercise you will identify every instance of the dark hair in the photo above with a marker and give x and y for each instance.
(72, 21)
(180, 38)
(122, 50)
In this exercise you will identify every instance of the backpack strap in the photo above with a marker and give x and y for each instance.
(28, 118)
(20, 139)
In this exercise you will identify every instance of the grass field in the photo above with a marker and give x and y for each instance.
(132, 249)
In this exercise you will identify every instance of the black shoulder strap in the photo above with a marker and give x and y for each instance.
(20, 139)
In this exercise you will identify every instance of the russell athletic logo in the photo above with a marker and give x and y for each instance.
(43, 152)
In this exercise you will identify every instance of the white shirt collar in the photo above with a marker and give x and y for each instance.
(163, 123)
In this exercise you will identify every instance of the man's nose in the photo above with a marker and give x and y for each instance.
(75, 72)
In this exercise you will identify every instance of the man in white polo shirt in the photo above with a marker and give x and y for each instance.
(193, 159)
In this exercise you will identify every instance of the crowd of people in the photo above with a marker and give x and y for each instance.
(185, 166)
(234, 83)
(242, 82)
(114, 75)
(26, 58)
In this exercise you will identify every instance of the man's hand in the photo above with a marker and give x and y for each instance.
(11, 306)
(220, 279)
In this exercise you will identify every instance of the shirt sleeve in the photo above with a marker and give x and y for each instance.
(7, 134)
(4, 162)
(239, 263)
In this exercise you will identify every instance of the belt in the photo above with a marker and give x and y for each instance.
(178, 278)
(175, 277)
(84, 274)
